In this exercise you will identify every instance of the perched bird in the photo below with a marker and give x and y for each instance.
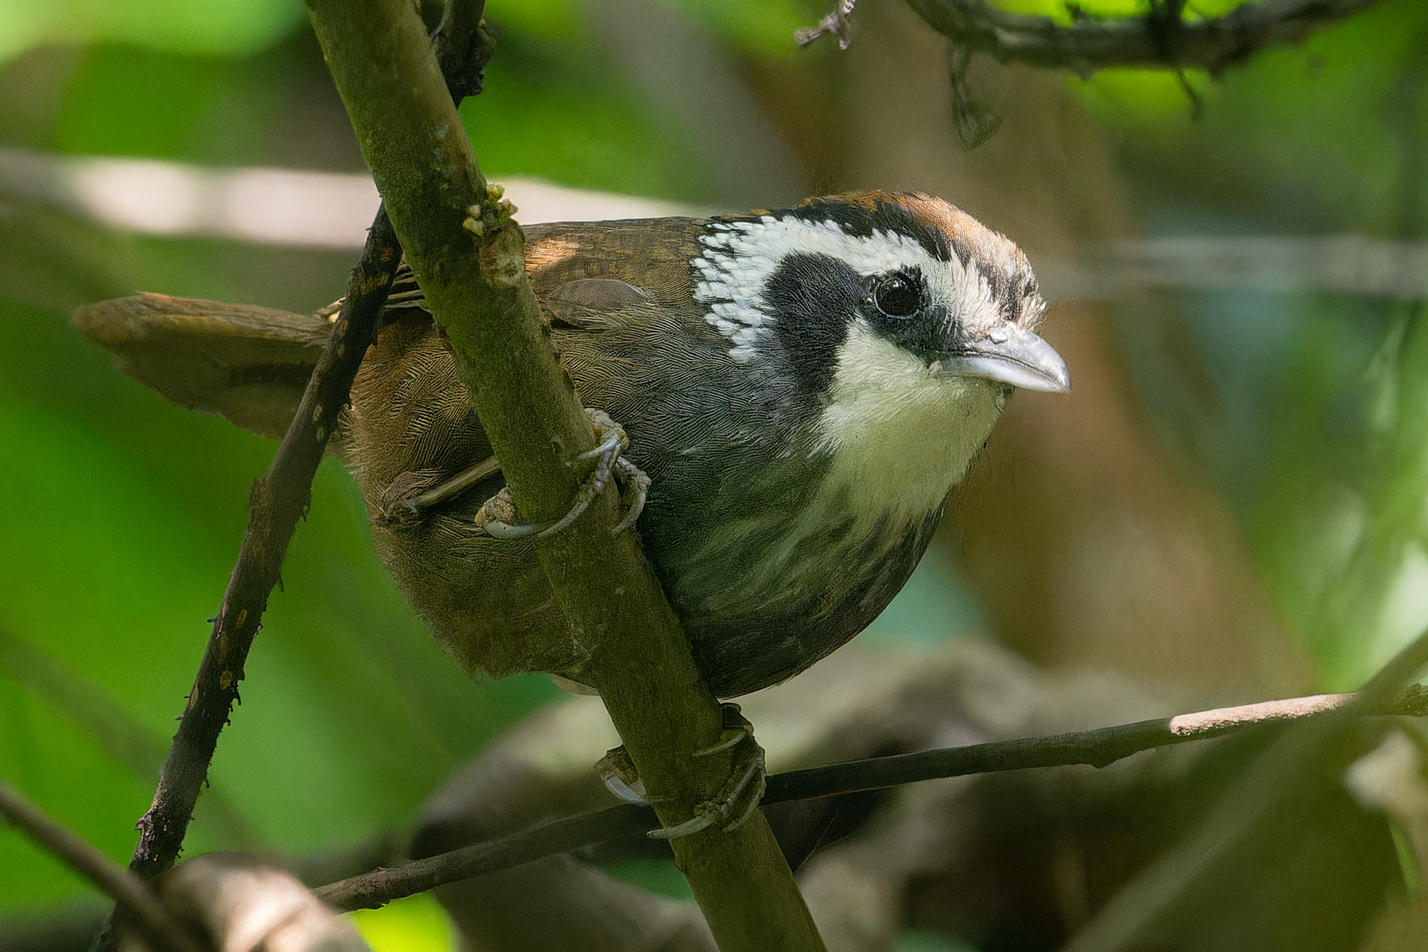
(804, 387)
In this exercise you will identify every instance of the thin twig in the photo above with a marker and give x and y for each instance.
(834, 24)
(464, 46)
(278, 499)
(130, 893)
(1160, 38)
(1097, 748)
(1245, 809)
(377, 888)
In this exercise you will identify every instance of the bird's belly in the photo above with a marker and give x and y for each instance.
(764, 560)
(785, 575)
(767, 594)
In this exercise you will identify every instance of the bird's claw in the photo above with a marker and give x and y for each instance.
(737, 798)
(620, 776)
(740, 794)
(737, 729)
(634, 490)
(498, 516)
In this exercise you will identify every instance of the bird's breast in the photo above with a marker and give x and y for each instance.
(816, 529)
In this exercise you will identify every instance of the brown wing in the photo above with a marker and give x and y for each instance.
(247, 364)
(598, 283)
(604, 289)
(409, 427)
(616, 293)
(651, 254)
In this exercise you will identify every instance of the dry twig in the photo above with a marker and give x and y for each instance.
(1097, 748)
(1162, 37)
(279, 498)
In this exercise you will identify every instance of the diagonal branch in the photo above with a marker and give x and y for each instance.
(279, 498)
(130, 893)
(469, 256)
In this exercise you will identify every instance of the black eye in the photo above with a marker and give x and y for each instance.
(897, 295)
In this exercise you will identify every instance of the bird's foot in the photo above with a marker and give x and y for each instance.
(498, 516)
(740, 793)
(738, 797)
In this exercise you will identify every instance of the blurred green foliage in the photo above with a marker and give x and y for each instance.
(1063, 12)
(122, 100)
(122, 515)
(1342, 526)
(1312, 138)
(223, 27)
(564, 118)
(407, 925)
(126, 521)
(1316, 422)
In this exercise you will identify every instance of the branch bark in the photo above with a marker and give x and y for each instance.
(377, 888)
(279, 498)
(468, 254)
(1096, 748)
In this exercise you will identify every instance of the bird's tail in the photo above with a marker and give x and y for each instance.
(244, 363)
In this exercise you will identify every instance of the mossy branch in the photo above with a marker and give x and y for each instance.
(468, 254)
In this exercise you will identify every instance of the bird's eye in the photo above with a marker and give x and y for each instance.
(897, 295)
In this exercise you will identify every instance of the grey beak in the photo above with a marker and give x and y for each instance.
(1014, 356)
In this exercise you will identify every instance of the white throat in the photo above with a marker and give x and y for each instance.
(900, 436)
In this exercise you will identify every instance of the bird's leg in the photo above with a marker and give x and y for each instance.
(410, 495)
(736, 800)
(498, 516)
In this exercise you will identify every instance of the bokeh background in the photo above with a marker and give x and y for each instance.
(1231, 501)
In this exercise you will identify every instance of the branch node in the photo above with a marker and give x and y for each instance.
(834, 24)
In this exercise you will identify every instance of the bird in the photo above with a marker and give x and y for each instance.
(804, 388)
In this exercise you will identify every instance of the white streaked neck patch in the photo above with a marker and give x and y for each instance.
(741, 256)
(900, 436)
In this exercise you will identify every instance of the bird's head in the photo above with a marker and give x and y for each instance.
(901, 322)
(908, 269)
